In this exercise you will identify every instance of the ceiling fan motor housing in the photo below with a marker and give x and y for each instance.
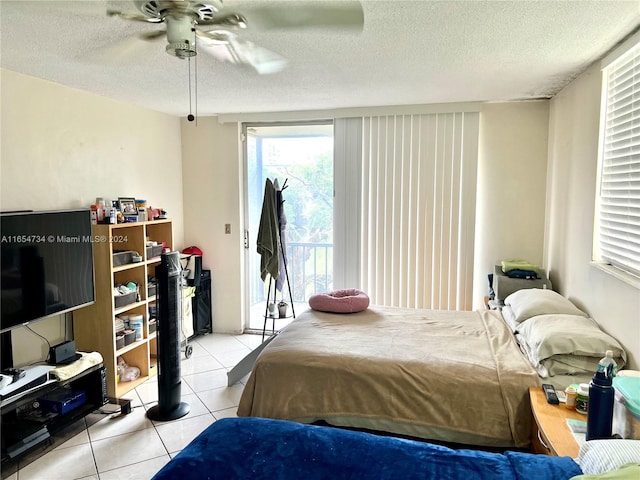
(181, 36)
(181, 17)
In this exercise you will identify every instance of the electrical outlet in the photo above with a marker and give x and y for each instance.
(227, 228)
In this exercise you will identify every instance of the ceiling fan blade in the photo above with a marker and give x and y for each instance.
(133, 16)
(155, 35)
(225, 47)
(307, 14)
(228, 20)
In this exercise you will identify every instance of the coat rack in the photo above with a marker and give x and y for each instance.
(272, 283)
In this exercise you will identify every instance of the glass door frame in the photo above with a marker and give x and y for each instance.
(245, 185)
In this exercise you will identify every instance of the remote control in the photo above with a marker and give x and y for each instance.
(15, 373)
(550, 393)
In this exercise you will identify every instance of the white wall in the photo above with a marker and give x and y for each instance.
(212, 172)
(510, 200)
(571, 193)
(62, 148)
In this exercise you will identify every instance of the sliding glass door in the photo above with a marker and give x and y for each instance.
(300, 158)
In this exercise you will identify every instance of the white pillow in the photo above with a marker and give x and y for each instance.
(549, 335)
(530, 302)
(509, 317)
(601, 456)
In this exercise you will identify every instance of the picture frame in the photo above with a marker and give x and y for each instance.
(127, 206)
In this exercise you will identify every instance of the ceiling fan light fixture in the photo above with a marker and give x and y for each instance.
(181, 49)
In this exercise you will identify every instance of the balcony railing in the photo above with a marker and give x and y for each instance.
(310, 269)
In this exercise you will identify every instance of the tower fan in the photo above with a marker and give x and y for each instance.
(169, 311)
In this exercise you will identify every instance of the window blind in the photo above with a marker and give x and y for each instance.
(418, 209)
(619, 196)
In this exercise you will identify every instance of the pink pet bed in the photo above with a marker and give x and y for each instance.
(349, 300)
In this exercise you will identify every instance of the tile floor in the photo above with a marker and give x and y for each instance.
(134, 447)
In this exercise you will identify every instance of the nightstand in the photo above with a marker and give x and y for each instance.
(550, 434)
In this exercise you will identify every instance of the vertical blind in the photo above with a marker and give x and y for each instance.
(619, 215)
(418, 209)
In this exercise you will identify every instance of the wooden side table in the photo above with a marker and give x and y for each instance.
(550, 433)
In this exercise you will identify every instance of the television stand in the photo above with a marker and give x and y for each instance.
(32, 414)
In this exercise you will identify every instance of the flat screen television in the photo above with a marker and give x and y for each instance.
(46, 265)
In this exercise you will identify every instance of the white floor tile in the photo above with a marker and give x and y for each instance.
(127, 449)
(134, 397)
(61, 464)
(197, 349)
(13, 476)
(117, 424)
(177, 434)
(196, 408)
(203, 363)
(79, 439)
(221, 398)
(232, 357)
(138, 471)
(90, 477)
(148, 393)
(206, 380)
(250, 340)
(226, 413)
(218, 342)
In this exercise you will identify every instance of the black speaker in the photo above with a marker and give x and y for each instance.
(169, 315)
(201, 304)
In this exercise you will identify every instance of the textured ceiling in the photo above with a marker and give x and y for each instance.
(409, 52)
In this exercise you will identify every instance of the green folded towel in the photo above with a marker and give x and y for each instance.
(508, 265)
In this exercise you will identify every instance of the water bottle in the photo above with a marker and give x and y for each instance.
(601, 398)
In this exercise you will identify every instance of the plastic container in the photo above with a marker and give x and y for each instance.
(582, 398)
(119, 340)
(135, 323)
(626, 407)
(129, 337)
(601, 399)
(572, 393)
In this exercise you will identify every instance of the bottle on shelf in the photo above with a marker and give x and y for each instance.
(601, 398)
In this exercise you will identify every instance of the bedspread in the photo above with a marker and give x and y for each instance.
(445, 375)
(256, 448)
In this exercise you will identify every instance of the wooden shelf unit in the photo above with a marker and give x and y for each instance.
(94, 326)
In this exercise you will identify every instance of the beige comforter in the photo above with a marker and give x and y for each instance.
(444, 375)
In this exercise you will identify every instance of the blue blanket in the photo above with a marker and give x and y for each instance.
(257, 448)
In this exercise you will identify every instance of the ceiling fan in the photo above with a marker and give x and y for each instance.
(218, 31)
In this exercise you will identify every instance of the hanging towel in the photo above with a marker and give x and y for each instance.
(282, 222)
(508, 265)
(268, 242)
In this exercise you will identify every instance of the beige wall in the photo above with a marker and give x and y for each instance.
(510, 200)
(571, 190)
(61, 148)
(212, 175)
(512, 164)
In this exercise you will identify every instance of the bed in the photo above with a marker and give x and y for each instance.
(447, 376)
(450, 376)
(256, 448)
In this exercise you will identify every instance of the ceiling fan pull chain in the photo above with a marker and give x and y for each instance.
(195, 48)
(190, 117)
